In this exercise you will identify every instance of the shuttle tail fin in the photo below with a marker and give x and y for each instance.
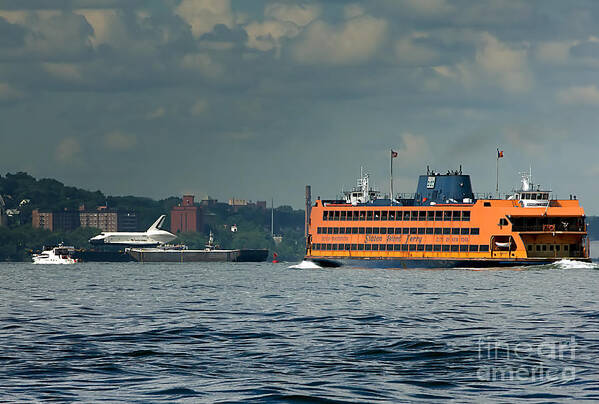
(158, 223)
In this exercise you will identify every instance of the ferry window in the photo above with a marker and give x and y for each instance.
(369, 215)
(430, 216)
(475, 231)
(367, 247)
(483, 248)
(465, 230)
(369, 230)
(329, 247)
(544, 247)
(557, 247)
(464, 248)
(384, 215)
(533, 196)
(414, 215)
(538, 247)
(447, 215)
(356, 215)
(362, 230)
(354, 247)
(422, 215)
(438, 230)
(382, 247)
(429, 230)
(383, 230)
(446, 230)
(343, 215)
(404, 247)
(412, 247)
(455, 248)
(420, 247)
(413, 230)
(428, 247)
(474, 248)
(335, 230)
(397, 247)
(377, 215)
(375, 230)
(319, 230)
(466, 216)
(360, 247)
(375, 247)
(503, 222)
(566, 247)
(342, 230)
(329, 230)
(406, 215)
(392, 215)
(390, 230)
(354, 230)
(362, 215)
(439, 215)
(551, 247)
(325, 215)
(456, 215)
(406, 230)
(545, 196)
(445, 248)
(437, 247)
(421, 230)
(487, 204)
(455, 231)
(530, 247)
(336, 215)
(348, 230)
(335, 247)
(347, 247)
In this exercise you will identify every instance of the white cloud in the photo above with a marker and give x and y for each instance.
(119, 141)
(202, 63)
(68, 151)
(353, 11)
(63, 71)
(579, 95)
(299, 15)
(409, 52)
(354, 41)
(199, 107)
(203, 15)
(414, 150)
(9, 93)
(556, 52)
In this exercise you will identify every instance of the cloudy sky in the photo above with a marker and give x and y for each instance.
(254, 99)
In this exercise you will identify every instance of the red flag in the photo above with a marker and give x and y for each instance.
(393, 154)
(499, 153)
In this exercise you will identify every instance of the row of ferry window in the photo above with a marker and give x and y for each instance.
(401, 247)
(398, 230)
(420, 215)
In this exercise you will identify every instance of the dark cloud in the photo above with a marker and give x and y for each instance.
(137, 97)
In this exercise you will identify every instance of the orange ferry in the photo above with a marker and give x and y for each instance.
(444, 225)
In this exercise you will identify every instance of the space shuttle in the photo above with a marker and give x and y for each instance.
(152, 237)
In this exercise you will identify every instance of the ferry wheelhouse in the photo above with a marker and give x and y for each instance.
(444, 225)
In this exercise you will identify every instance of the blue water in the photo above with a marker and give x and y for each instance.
(267, 333)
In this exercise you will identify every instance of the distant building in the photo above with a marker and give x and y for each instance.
(186, 217)
(55, 221)
(208, 202)
(261, 204)
(237, 202)
(107, 220)
(3, 218)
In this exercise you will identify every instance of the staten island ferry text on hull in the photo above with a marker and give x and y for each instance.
(444, 225)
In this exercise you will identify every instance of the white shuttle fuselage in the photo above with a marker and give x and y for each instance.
(152, 237)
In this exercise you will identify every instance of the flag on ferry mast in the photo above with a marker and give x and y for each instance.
(499, 153)
(393, 154)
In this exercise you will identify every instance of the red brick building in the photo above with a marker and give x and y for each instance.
(186, 217)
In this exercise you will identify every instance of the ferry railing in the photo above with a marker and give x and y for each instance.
(548, 227)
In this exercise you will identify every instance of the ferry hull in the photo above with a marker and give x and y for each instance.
(395, 263)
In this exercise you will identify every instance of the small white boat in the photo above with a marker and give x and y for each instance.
(56, 255)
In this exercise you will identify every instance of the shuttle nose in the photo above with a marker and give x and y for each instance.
(96, 240)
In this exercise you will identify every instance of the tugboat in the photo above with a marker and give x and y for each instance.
(57, 255)
(444, 225)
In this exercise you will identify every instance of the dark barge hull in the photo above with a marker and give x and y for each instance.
(155, 255)
(101, 256)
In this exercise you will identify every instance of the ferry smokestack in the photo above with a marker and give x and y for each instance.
(308, 206)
